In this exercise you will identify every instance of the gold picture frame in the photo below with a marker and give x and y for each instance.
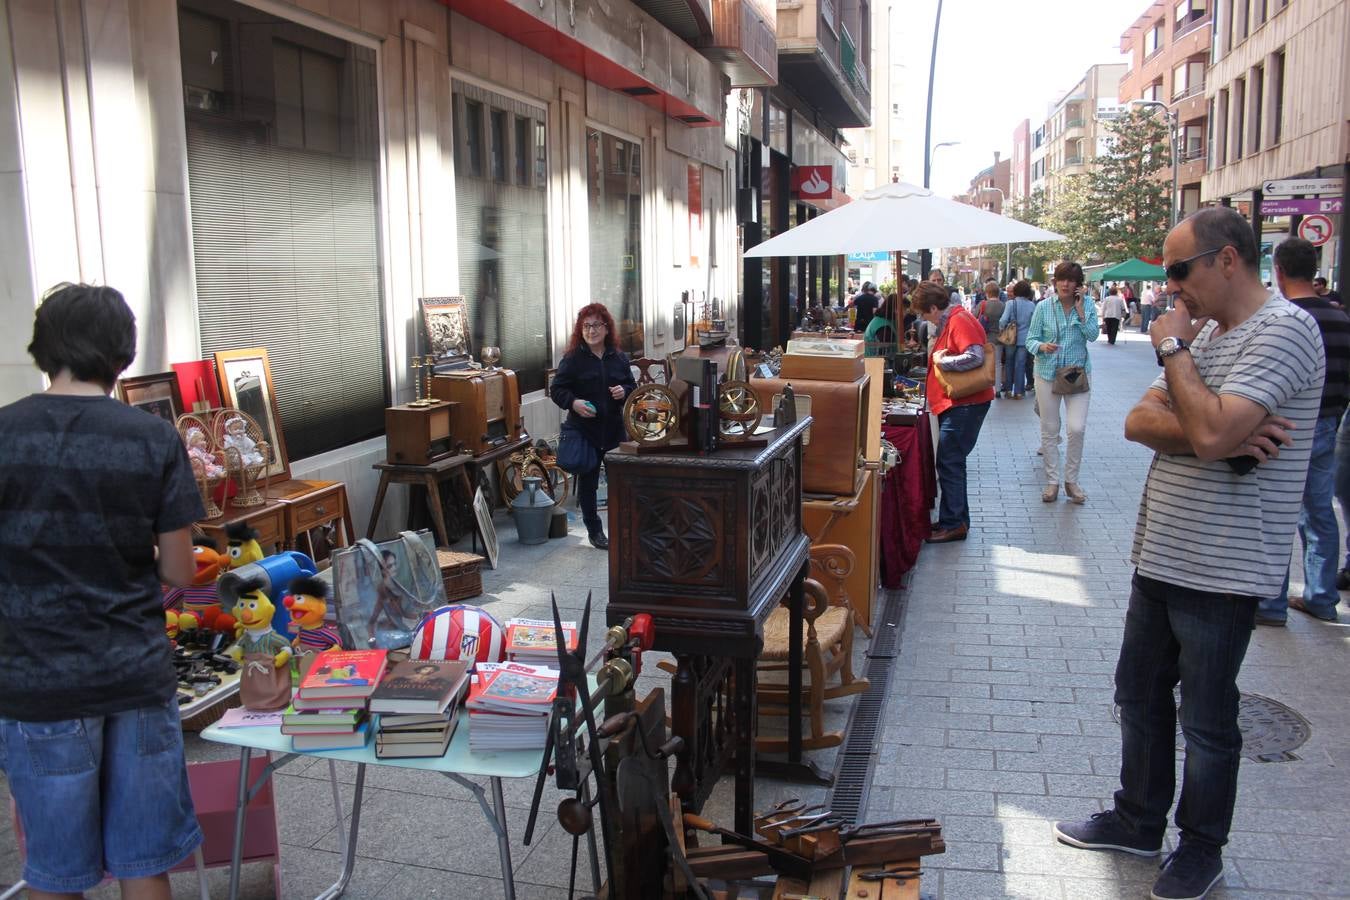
(157, 394)
(245, 378)
(446, 321)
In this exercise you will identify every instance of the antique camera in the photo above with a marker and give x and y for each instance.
(418, 435)
(488, 414)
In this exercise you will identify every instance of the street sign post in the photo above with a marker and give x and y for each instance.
(1329, 206)
(1288, 186)
(1315, 229)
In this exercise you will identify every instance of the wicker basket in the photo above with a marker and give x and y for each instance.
(463, 579)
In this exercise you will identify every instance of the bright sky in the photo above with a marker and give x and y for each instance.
(999, 62)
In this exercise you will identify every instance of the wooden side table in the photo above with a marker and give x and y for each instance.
(430, 477)
(269, 519)
(310, 505)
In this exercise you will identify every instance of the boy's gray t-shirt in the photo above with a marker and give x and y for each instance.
(1203, 526)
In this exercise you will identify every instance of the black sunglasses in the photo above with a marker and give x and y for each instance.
(1181, 269)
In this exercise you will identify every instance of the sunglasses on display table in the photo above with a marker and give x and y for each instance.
(1181, 269)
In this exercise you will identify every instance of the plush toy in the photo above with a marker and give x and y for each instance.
(307, 600)
(265, 680)
(198, 606)
(244, 546)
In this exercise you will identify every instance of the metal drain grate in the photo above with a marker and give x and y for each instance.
(853, 769)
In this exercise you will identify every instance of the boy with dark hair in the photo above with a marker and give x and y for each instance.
(97, 500)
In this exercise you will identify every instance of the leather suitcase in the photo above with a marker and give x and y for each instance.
(838, 433)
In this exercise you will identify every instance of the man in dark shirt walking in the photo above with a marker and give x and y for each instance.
(1295, 266)
(866, 302)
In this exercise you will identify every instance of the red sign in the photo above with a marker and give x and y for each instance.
(813, 182)
(1315, 229)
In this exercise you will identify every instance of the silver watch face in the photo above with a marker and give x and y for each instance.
(1167, 346)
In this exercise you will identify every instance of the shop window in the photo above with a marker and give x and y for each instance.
(282, 127)
(614, 193)
(502, 231)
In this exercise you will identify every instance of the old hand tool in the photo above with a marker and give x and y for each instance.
(895, 872)
(780, 860)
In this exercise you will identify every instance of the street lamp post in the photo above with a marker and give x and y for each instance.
(1007, 248)
(1170, 117)
(926, 255)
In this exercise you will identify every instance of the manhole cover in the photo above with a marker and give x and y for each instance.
(1271, 731)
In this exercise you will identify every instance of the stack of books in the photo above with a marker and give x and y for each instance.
(329, 709)
(418, 703)
(509, 705)
(532, 641)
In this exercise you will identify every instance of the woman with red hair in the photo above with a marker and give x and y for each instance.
(592, 382)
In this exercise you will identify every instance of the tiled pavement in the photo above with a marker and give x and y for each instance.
(1000, 714)
(999, 718)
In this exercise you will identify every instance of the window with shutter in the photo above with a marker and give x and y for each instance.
(502, 225)
(283, 163)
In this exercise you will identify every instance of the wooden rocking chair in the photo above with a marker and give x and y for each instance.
(643, 366)
(827, 651)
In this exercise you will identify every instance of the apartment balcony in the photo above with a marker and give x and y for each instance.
(1074, 128)
(690, 20)
(1188, 91)
(742, 42)
(1072, 161)
(819, 60)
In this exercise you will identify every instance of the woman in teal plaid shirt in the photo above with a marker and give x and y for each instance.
(1057, 340)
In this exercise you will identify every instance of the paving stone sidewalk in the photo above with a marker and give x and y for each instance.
(1000, 718)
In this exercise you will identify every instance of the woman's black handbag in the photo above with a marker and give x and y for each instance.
(576, 455)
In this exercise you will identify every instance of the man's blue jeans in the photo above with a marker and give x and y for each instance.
(1317, 529)
(1016, 360)
(1176, 634)
(1145, 316)
(958, 429)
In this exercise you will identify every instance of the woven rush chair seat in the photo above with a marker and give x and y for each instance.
(830, 629)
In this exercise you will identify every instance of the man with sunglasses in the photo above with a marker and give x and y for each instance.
(1231, 422)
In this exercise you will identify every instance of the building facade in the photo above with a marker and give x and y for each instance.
(1075, 132)
(990, 191)
(296, 175)
(875, 153)
(1168, 46)
(1278, 95)
(1019, 180)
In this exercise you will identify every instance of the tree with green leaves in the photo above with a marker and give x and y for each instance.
(1131, 203)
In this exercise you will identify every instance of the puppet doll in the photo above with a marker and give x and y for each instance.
(265, 681)
(307, 600)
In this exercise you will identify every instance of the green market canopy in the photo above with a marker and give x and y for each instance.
(1130, 270)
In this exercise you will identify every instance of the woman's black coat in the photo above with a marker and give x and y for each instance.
(583, 376)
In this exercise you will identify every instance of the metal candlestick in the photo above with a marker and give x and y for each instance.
(417, 366)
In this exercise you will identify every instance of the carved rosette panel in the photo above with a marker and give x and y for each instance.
(785, 472)
(763, 507)
(678, 539)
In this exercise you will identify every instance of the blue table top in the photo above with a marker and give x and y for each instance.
(457, 759)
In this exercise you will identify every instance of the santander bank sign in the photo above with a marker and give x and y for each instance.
(814, 182)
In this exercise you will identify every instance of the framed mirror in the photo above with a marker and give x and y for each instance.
(446, 320)
(156, 394)
(246, 383)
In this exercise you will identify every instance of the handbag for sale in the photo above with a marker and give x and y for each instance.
(1070, 380)
(1007, 335)
(576, 455)
(381, 591)
(957, 385)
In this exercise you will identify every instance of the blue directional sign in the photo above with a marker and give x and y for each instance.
(874, 256)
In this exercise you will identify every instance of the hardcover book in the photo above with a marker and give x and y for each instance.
(349, 740)
(514, 688)
(344, 673)
(533, 639)
(324, 716)
(420, 686)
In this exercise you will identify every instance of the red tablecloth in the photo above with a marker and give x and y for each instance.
(907, 497)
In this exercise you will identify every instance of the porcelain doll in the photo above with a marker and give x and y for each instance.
(198, 453)
(236, 438)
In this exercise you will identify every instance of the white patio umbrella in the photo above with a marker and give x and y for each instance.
(899, 216)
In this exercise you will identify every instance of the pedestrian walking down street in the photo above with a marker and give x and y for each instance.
(989, 312)
(1060, 331)
(1146, 302)
(1113, 311)
(958, 347)
(592, 382)
(1242, 377)
(1016, 359)
(1295, 266)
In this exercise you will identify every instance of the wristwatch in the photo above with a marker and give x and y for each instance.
(1169, 346)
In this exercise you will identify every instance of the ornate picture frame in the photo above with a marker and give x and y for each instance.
(482, 511)
(245, 378)
(446, 322)
(157, 394)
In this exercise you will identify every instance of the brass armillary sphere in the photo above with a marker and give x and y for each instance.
(738, 411)
(651, 415)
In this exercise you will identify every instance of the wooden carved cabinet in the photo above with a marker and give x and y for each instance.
(708, 546)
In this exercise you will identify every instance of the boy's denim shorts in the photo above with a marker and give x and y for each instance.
(107, 794)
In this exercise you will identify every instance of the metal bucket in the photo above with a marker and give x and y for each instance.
(533, 512)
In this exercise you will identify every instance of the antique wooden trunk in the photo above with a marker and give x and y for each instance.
(835, 446)
(706, 544)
